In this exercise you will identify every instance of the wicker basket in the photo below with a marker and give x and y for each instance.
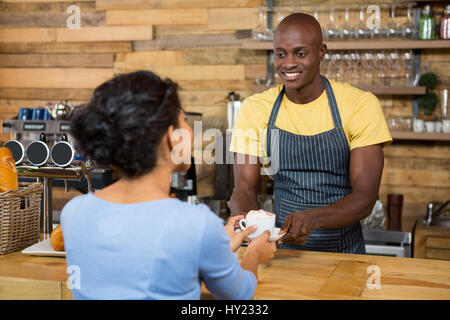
(20, 213)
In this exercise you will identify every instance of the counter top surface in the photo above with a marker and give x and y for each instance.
(290, 275)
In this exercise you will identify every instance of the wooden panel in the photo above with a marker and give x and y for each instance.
(45, 7)
(415, 194)
(232, 19)
(195, 41)
(46, 20)
(165, 30)
(418, 151)
(155, 17)
(34, 1)
(207, 111)
(205, 97)
(223, 56)
(53, 78)
(219, 72)
(417, 163)
(229, 85)
(343, 281)
(45, 94)
(439, 254)
(128, 62)
(56, 60)
(105, 34)
(27, 35)
(76, 35)
(416, 178)
(174, 4)
(438, 242)
(65, 47)
(25, 289)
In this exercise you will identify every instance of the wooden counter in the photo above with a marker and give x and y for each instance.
(290, 275)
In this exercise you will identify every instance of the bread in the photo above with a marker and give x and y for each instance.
(57, 239)
(8, 171)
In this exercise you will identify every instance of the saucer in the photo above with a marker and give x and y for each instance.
(273, 237)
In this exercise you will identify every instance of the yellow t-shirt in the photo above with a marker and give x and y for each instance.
(360, 111)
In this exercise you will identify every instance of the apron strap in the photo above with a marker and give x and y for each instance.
(332, 103)
(272, 120)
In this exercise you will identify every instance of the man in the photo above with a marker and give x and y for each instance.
(329, 137)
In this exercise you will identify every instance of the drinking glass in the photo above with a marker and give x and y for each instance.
(393, 28)
(261, 32)
(380, 33)
(338, 66)
(407, 28)
(406, 60)
(347, 32)
(361, 30)
(355, 67)
(368, 65)
(331, 32)
(394, 69)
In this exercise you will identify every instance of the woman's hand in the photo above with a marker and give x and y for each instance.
(264, 249)
(236, 238)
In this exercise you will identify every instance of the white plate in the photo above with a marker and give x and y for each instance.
(44, 249)
(274, 237)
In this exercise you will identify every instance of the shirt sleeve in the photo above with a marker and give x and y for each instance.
(220, 268)
(249, 130)
(367, 124)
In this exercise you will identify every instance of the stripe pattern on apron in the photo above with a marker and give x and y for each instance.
(313, 171)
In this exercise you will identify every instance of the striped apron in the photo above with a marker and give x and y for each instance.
(313, 171)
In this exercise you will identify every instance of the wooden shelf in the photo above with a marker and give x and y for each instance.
(374, 90)
(362, 44)
(424, 136)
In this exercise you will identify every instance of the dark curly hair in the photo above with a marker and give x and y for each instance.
(125, 121)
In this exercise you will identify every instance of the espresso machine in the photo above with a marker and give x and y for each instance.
(43, 151)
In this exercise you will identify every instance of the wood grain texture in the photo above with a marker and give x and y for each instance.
(186, 72)
(53, 77)
(291, 275)
(49, 20)
(57, 60)
(66, 47)
(156, 17)
(174, 4)
(48, 94)
(213, 41)
(45, 7)
(232, 19)
(84, 34)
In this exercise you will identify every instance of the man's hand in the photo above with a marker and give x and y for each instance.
(236, 238)
(298, 226)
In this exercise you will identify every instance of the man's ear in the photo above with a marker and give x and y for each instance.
(322, 51)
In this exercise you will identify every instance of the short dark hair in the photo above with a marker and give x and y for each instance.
(125, 120)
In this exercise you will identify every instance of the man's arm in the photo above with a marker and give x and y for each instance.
(366, 168)
(246, 185)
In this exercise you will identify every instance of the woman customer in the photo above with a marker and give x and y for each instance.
(130, 240)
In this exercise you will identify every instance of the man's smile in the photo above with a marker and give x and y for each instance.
(291, 75)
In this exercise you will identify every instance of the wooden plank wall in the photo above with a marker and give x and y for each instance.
(193, 42)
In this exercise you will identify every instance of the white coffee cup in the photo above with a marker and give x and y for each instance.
(263, 220)
(446, 126)
(438, 126)
(429, 126)
(418, 125)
